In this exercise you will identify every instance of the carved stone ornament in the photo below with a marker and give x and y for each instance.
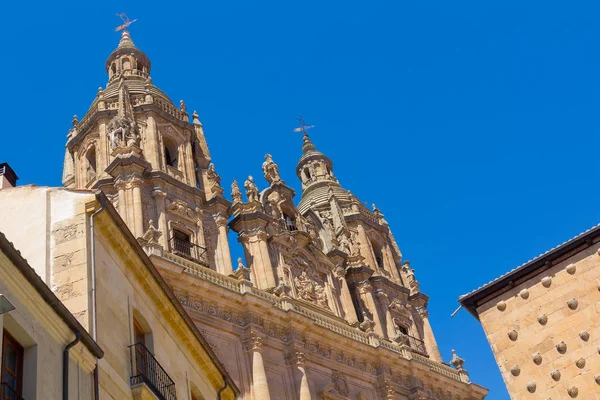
(339, 383)
(584, 335)
(456, 361)
(537, 358)
(524, 294)
(513, 335)
(573, 303)
(542, 319)
(580, 363)
(515, 370)
(573, 391)
(546, 281)
(180, 208)
(571, 268)
(561, 347)
(367, 325)
(531, 386)
(597, 379)
(401, 308)
(308, 283)
(555, 374)
(501, 305)
(253, 343)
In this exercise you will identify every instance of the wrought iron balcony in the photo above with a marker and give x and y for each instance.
(414, 343)
(145, 369)
(186, 249)
(8, 393)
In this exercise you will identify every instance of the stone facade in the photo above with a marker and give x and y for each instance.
(324, 306)
(541, 322)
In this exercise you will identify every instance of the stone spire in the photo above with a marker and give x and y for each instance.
(126, 39)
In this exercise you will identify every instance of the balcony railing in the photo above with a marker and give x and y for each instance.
(8, 393)
(417, 345)
(414, 343)
(186, 249)
(145, 369)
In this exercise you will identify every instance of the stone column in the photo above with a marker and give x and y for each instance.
(189, 162)
(260, 387)
(428, 338)
(346, 298)
(152, 150)
(390, 262)
(223, 258)
(297, 361)
(120, 185)
(159, 200)
(367, 293)
(366, 245)
(255, 245)
(389, 321)
(138, 219)
(103, 152)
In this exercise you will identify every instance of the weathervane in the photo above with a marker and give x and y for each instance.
(126, 22)
(303, 127)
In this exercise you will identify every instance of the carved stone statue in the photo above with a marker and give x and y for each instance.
(270, 169)
(213, 178)
(355, 248)
(344, 244)
(236, 194)
(151, 235)
(123, 131)
(251, 189)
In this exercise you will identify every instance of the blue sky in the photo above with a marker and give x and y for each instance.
(472, 125)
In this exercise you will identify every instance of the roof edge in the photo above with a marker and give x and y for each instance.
(526, 271)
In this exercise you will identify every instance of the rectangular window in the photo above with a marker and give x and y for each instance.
(182, 243)
(141, 361)
(12, 367)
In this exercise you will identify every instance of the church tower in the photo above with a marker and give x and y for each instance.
(142, 151)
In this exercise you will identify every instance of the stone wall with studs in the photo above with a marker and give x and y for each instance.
(545, 332)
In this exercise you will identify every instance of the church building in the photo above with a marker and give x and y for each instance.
(322, 306)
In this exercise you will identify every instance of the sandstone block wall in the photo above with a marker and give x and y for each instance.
(545, 332)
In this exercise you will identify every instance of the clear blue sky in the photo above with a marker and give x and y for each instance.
(472, 125)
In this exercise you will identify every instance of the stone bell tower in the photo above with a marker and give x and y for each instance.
(142, 151)
(383, 287)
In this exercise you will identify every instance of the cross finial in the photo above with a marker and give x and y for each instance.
(303, 126)
(126, 22)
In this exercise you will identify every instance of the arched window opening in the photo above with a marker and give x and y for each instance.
(307, 173)
(378, 255)
(290, 223)
(90, 158)
(170, 153)
(126, 63)
(113, 68)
